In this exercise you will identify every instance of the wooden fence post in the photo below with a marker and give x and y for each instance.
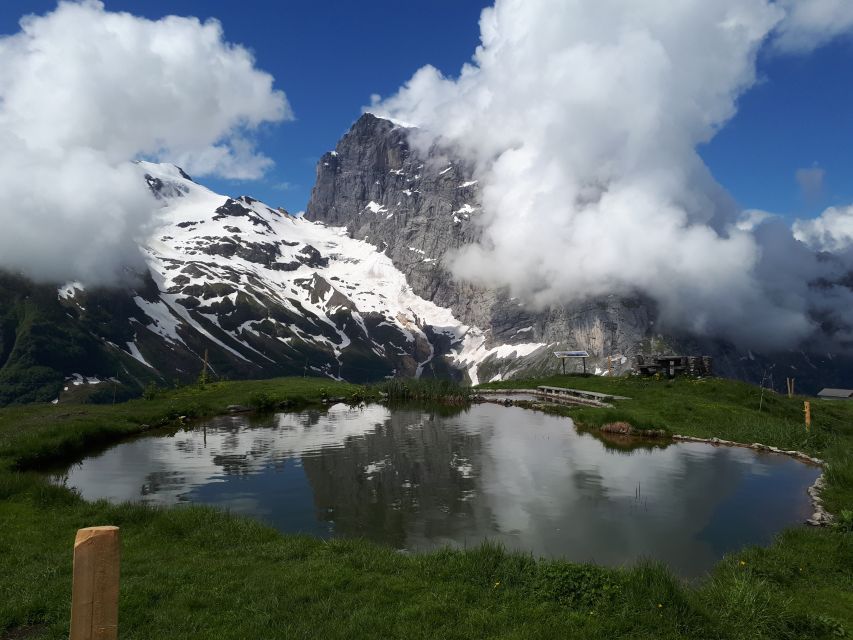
(94, 591)
(807, 409)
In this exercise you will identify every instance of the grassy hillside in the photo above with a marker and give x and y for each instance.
(42, 340)
(200, 573)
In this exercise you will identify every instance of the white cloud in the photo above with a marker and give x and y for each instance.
(582, 120)
(831, 231)
(83, 92)
(812, 23)
(751, 218)
(810, 181)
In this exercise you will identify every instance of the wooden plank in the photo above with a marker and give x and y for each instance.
(578, 393)
(95, 585)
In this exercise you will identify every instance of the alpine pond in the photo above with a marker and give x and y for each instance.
(418, 478)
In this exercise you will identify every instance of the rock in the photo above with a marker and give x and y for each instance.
(237, 408)
(623, 428)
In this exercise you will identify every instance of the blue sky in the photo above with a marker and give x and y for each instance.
(329, 57)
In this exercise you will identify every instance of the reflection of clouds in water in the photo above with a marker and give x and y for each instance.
(420, 480)
(556, 492)
(162, 470)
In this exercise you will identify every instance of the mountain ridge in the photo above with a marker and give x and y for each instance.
(358, 289)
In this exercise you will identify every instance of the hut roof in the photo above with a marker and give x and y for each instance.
(836, 393)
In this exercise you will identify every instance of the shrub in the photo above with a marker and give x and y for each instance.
(575, 585)
(262, 401)
(843, 522)
(151, 391)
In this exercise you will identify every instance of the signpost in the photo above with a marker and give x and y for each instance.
(94, 587)
(583, 355)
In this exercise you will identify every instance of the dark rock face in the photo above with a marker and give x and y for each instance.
(162, 189)
(414, 209)
(418, 208)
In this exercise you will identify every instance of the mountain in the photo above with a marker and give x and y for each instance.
(357, 289)
(417, 207)
(248, 289)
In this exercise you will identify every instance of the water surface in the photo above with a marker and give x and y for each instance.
(416, 479)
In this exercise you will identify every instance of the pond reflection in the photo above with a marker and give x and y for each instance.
(418, 479)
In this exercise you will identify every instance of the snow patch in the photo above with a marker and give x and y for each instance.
(466, 208)
(69, 290)
(375, 207)
(135, 353)
(474, 352)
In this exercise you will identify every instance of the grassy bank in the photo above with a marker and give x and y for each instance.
(425, 390)
(199, 573)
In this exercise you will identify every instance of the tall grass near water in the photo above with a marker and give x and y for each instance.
(425, 389)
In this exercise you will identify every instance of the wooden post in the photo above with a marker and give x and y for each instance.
(563, 360)
(807, 409)
(94, 591)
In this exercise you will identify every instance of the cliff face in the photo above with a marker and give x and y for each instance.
(414, 209)
(418, 208)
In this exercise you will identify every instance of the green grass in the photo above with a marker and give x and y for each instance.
(196, 572)
(426, 389)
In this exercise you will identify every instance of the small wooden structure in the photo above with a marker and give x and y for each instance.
(95, 584)
(672, 365)
(577, 396)
(836, 394)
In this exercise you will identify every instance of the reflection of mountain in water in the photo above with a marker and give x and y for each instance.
(410, 477)
(417, 479)
(532, 482)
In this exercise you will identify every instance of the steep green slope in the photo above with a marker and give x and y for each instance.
(43, 340)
